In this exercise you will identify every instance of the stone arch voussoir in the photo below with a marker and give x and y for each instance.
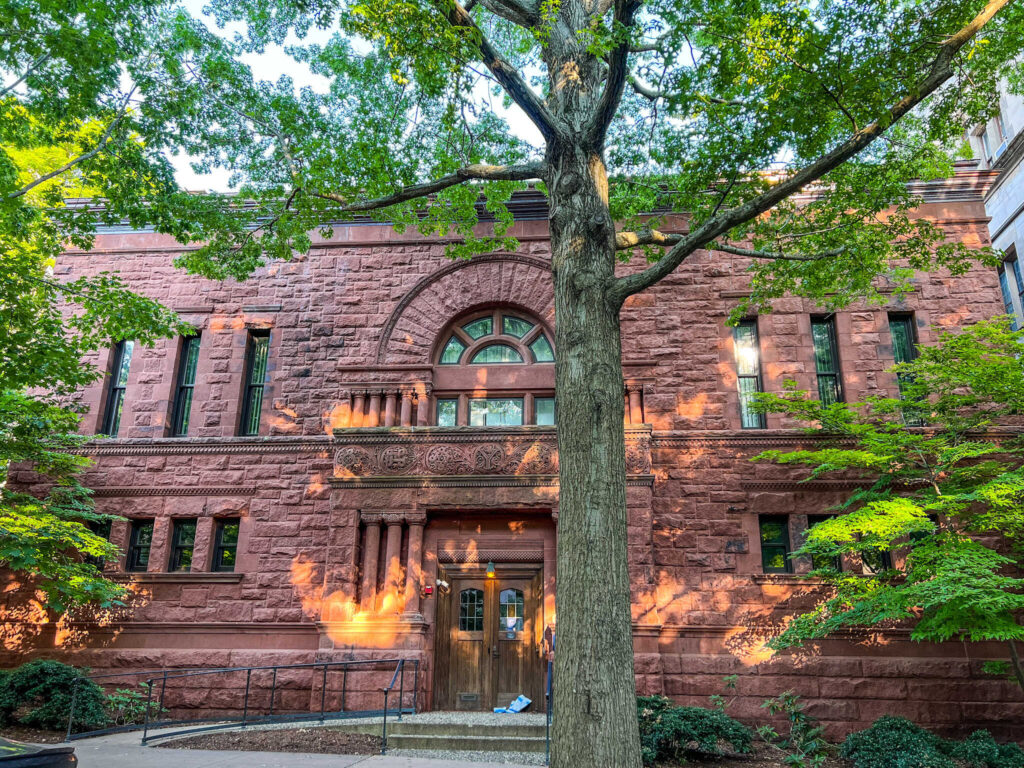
(505, 279)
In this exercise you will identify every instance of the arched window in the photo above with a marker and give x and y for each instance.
(510, 610)
(494, 369)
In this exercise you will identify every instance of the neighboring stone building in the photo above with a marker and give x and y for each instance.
(999, 146)
(372, 418)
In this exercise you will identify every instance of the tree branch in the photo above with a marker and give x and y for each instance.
(615, 80)
(523, 172)
(626, 240)
(939, 71)
(653, 94)
(507, 76)
(525, 14)
(31, 68)
(122, 111)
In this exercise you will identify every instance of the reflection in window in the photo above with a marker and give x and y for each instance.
(542, 352)
(748, 372)
(447, 409)
(139, 545)
(826, 360)
(544, 411)
(183, 544)
(774, 533)
(515, 326)
(496, 412)
(118, 383)
(452, 351)
(479, 328)
(225, 548)
(471, 610)
(496, 353)
(510, 610)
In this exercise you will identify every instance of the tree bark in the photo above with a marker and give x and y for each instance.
(595, 721)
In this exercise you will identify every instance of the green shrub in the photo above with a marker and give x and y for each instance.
(667, 732)
(38, 694)
(894, 742)
(128, 707)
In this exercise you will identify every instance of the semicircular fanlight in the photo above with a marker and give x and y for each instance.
(496, 353)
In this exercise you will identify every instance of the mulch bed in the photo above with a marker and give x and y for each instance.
(762, 757)
(324, 741)
(31, 735)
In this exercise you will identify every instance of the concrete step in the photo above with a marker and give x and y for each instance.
(448, 742)
(454, 730)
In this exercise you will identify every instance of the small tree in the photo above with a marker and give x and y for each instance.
(947, 496)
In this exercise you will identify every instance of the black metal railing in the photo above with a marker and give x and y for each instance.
(253, 710)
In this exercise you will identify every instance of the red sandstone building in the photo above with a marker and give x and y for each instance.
(350, 428)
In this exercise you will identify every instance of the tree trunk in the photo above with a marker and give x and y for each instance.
(595, 723)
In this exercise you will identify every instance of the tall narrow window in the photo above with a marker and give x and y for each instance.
(774, 533)
(102, 529)
(225, 545)
(139, 545)
(118, 381)
(826, 360)
(255, 377)
(819, 562)
(748, 372)
(1007, 291)
(186, 384)
(183, 542)
(904, 350)
(544, 411)
(447, 411)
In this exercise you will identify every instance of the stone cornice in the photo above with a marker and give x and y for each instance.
(469, 481)
(797, 485)
(774, 437)
(203, 445)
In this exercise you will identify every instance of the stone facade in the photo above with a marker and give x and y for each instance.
(352, 501)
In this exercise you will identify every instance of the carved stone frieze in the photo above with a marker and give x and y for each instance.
(458, 452)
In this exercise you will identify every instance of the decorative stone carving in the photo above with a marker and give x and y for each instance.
(489, 459)
(447, 460)
(353, 460)
(396, 459)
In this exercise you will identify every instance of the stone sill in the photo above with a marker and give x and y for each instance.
(785, 578)
(180, 578)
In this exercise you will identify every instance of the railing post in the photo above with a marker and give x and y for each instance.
(344, 685)
(163, 688)
(323, 694)
(149, 702)
(245, 701)
(273, 689)
(401, 687)
(71, 714)
(384, 727)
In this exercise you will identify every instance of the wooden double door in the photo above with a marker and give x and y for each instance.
(488, 641)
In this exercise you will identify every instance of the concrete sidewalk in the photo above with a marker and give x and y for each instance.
(123, 751)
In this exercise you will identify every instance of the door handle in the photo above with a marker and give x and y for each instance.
(494, 651)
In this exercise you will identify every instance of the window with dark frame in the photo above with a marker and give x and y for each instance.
(188, 361)
(774, 535)
(748, 372)
(1007, 291)
(118, 383)
(256, 352)
(225, 545)
(819, 562)
(139, 544)
(183, 543)
(826, 360)
(100, 528)
(875, 560)
(904, 350)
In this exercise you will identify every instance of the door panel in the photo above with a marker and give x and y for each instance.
(469, 646)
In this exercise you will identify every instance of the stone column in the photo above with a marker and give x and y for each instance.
(406, 408)
(357, 408)
(392, 563)
(389, 407)
(371, 551)
(636, 411)
(414, 566)
(462, 410)
(373, 417)
(423, 409)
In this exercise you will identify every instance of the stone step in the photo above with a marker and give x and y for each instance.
(416, 728)
(448, 742)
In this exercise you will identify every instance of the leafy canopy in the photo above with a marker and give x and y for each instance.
(947, 498)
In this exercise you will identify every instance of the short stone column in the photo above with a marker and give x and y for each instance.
(414, 566)
(373, 417)
(390, 398)
(392, 564)
(406, 407)
(359, 397)
(371, 552)
(636, 409)
(423, 409)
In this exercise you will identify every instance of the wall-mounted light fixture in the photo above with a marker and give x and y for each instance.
(490, 570)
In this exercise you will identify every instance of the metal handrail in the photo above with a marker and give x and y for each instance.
(162, 676)
(400, 675)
